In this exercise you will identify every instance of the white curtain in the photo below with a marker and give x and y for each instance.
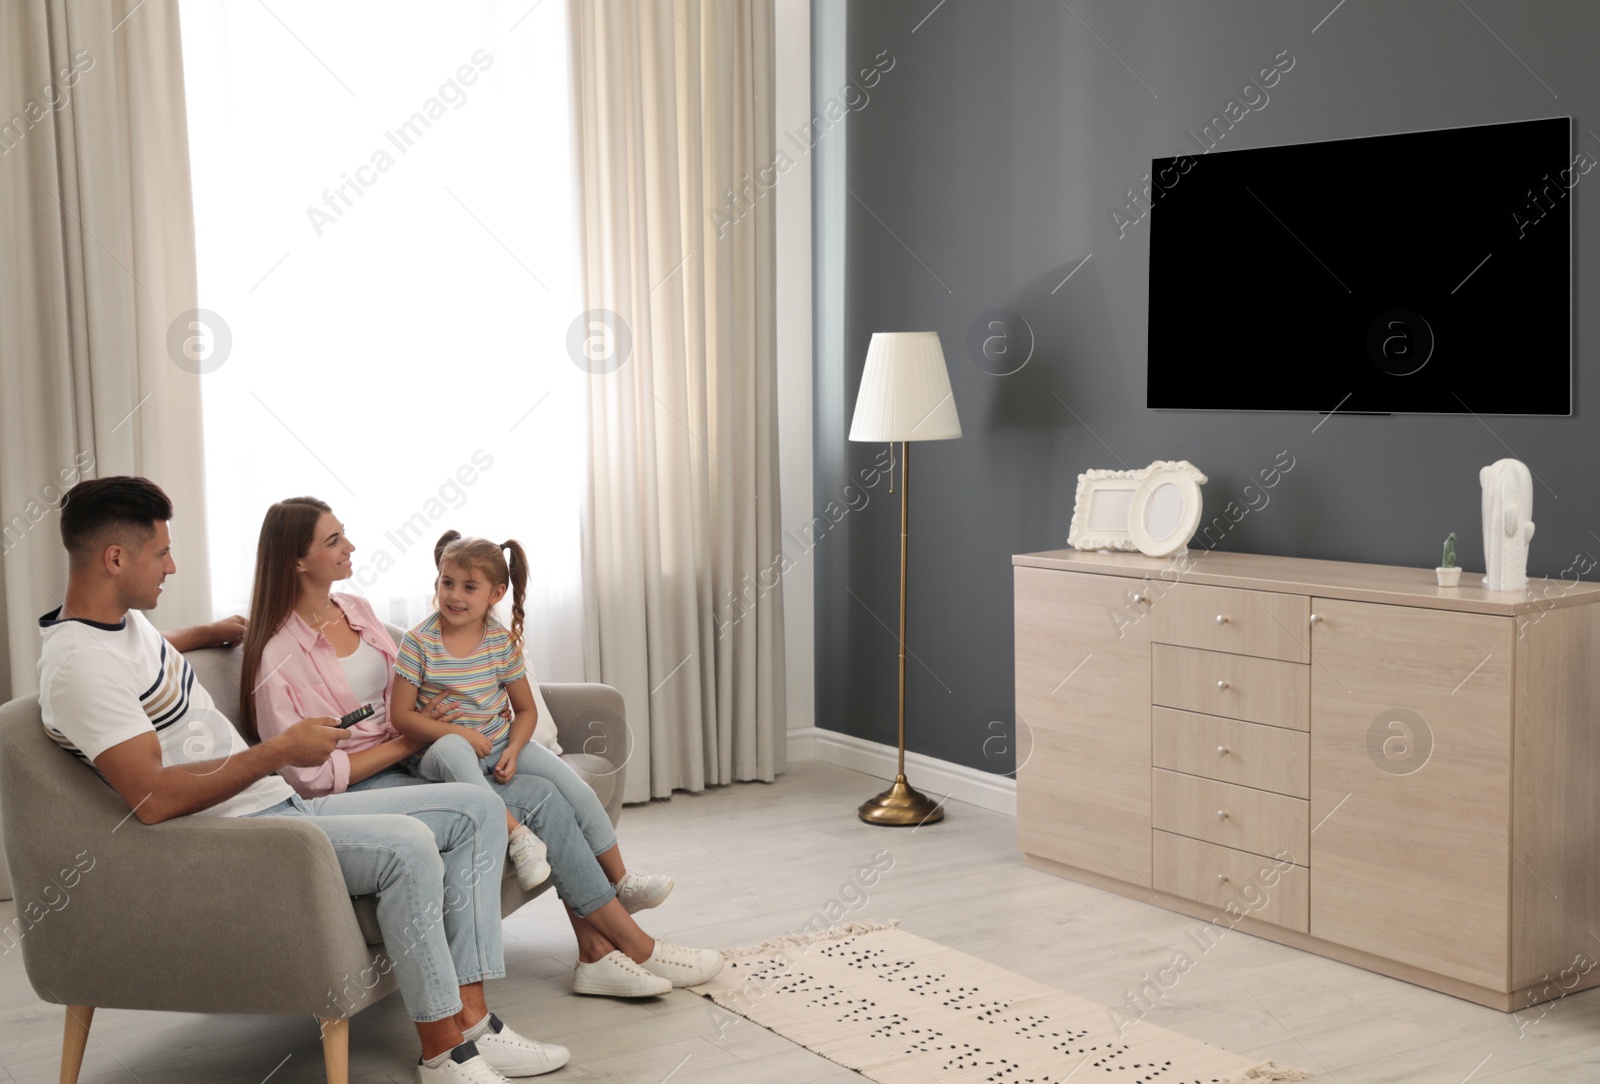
(682, 549)
(383, 199)
(99, 269)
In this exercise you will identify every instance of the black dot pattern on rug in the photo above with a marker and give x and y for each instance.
(921, 985)
(1037, 1027)
(830, 998)
(861, 1013)
(853, 956)
(780, 978)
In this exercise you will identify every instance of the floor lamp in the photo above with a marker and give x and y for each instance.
(905, 396)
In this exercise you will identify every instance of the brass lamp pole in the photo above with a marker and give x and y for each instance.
(905, 395)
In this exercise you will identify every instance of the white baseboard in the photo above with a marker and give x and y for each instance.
(939, 778)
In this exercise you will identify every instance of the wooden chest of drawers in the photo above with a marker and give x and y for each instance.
(1331, 754)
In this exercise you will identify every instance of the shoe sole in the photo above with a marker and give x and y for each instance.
(519, 1072)
(578, 989)
(541, 879)
(647, 906)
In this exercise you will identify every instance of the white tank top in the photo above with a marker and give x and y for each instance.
(368, 675)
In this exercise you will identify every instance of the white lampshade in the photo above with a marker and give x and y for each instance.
(905, 390)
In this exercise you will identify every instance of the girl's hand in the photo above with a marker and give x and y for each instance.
(481, 745)
(506, 767)
(438, 712)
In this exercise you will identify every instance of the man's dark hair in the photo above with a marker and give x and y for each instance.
(97, 508)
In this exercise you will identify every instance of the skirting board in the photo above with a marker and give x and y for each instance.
(936, 778)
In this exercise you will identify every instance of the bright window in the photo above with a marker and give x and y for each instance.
(384, 220)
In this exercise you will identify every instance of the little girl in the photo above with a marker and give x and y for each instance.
(463, 652)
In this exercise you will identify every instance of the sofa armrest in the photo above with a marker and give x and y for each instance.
(204, 914)
(590, 719)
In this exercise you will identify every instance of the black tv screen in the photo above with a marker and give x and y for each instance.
(1426, 272)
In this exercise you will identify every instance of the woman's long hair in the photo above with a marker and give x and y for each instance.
(286, 536)
(491, 560)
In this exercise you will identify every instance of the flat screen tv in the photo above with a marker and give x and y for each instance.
(1425, 272)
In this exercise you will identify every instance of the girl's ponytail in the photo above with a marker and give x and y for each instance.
(517, 565)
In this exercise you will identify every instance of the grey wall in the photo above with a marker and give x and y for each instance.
(985, 167)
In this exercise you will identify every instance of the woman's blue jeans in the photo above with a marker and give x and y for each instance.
(545, 794)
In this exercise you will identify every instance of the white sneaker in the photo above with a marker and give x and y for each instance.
(514, 1055)
(615, 975)
(683, 966)
(463, 1065)
(528, 855)
(638, 893)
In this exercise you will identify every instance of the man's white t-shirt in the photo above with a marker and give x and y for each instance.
(100, 685)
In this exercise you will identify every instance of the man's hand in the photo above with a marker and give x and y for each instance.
(309, 743)
(229, 630)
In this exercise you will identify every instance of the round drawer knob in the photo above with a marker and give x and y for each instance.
(1316, 619)
(1221, 620)
(1222, 750)
(1222, 878)
(1222, 814)
(1138, 599)
(1222, 685)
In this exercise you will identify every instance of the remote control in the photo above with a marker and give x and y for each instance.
(363, 712)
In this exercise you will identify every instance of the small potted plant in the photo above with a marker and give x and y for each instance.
(1449, 573)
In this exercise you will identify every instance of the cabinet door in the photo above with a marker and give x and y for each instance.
(1083, 690)
(1411, 785)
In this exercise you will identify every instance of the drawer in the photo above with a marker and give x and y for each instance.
(1262, 623)
(1249, 754)
(1246, 819)
(1234, 882)
(1234, 686)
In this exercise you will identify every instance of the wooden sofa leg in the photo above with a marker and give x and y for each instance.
(74, 1039)
(336, 1048)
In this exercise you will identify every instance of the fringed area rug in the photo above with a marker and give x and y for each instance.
(903, 1010)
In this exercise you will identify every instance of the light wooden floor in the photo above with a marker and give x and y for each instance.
(753, 861)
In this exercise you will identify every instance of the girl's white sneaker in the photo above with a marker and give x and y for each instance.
(529, 857)
(640, 893)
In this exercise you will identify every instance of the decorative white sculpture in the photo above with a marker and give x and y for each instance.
(1507, 524)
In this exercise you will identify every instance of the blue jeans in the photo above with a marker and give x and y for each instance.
(551, 799)
(433, 856)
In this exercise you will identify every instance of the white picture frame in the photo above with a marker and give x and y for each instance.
(1100, 510)
(1103, 509)
(1165, 512)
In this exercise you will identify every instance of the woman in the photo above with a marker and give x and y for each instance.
(310, 651)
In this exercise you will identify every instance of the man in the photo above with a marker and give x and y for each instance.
(119, 696)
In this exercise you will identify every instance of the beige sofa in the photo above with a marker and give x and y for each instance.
(205, 914)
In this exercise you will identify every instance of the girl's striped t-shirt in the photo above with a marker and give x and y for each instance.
(475, 684)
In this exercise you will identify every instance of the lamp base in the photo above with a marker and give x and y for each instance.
(901, 805)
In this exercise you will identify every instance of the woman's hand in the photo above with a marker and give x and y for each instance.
(481, 745)
(436, 710)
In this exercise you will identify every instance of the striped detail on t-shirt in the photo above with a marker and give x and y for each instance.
(475, 684)
(167, 699)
